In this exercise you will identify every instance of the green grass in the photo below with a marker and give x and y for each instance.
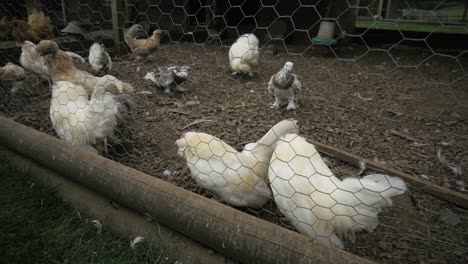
(411, 26)
(37, 227)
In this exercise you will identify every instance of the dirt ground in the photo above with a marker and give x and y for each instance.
(362, 103)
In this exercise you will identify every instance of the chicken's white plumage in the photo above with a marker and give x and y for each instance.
(239, 178)
(99, 59)
(244, 54)
(79, 120)
(319, 204)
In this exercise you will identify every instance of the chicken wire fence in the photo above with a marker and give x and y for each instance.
(176, 90)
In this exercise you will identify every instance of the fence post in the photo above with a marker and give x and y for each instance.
(117, 27)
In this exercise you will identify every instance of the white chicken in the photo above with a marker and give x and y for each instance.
(12, 76)
(244, 54)
(285, 86)
(99, 58)
(320, 205)
(82, 121)
(239, 178)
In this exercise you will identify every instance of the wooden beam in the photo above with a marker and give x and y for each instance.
(417, 183)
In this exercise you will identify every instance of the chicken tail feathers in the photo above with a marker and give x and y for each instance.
(73, 55)
(375, 190)
(282, 128)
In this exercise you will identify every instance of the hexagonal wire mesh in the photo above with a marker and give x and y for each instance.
(385, 80)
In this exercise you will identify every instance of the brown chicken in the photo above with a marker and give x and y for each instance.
(62, 68)
(144, 47)
(38, 27)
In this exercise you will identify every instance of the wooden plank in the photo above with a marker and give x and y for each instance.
(418, 183)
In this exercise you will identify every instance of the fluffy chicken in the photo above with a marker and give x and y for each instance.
(12, 76)
(169, 78)
(132, 33)
(319, 204)
(99, 58)
(144, 47)
(244, 54)
(239, 178)
(35, 63)
(82, 121)
(62, 68)
(285, 86)
(38, 27)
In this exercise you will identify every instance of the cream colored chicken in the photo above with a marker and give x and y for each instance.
(244, 54)
(239, 178)
(81, 121)
(320, 205)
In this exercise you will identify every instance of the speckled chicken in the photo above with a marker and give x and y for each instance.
(239, 178)
(285, 86)
(320, 205)
(169, 78)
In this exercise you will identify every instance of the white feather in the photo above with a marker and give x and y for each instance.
(244, 54)
(317, 203)
(136, 241)
(98, 226)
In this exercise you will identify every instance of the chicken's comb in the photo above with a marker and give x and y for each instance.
(181, 135)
